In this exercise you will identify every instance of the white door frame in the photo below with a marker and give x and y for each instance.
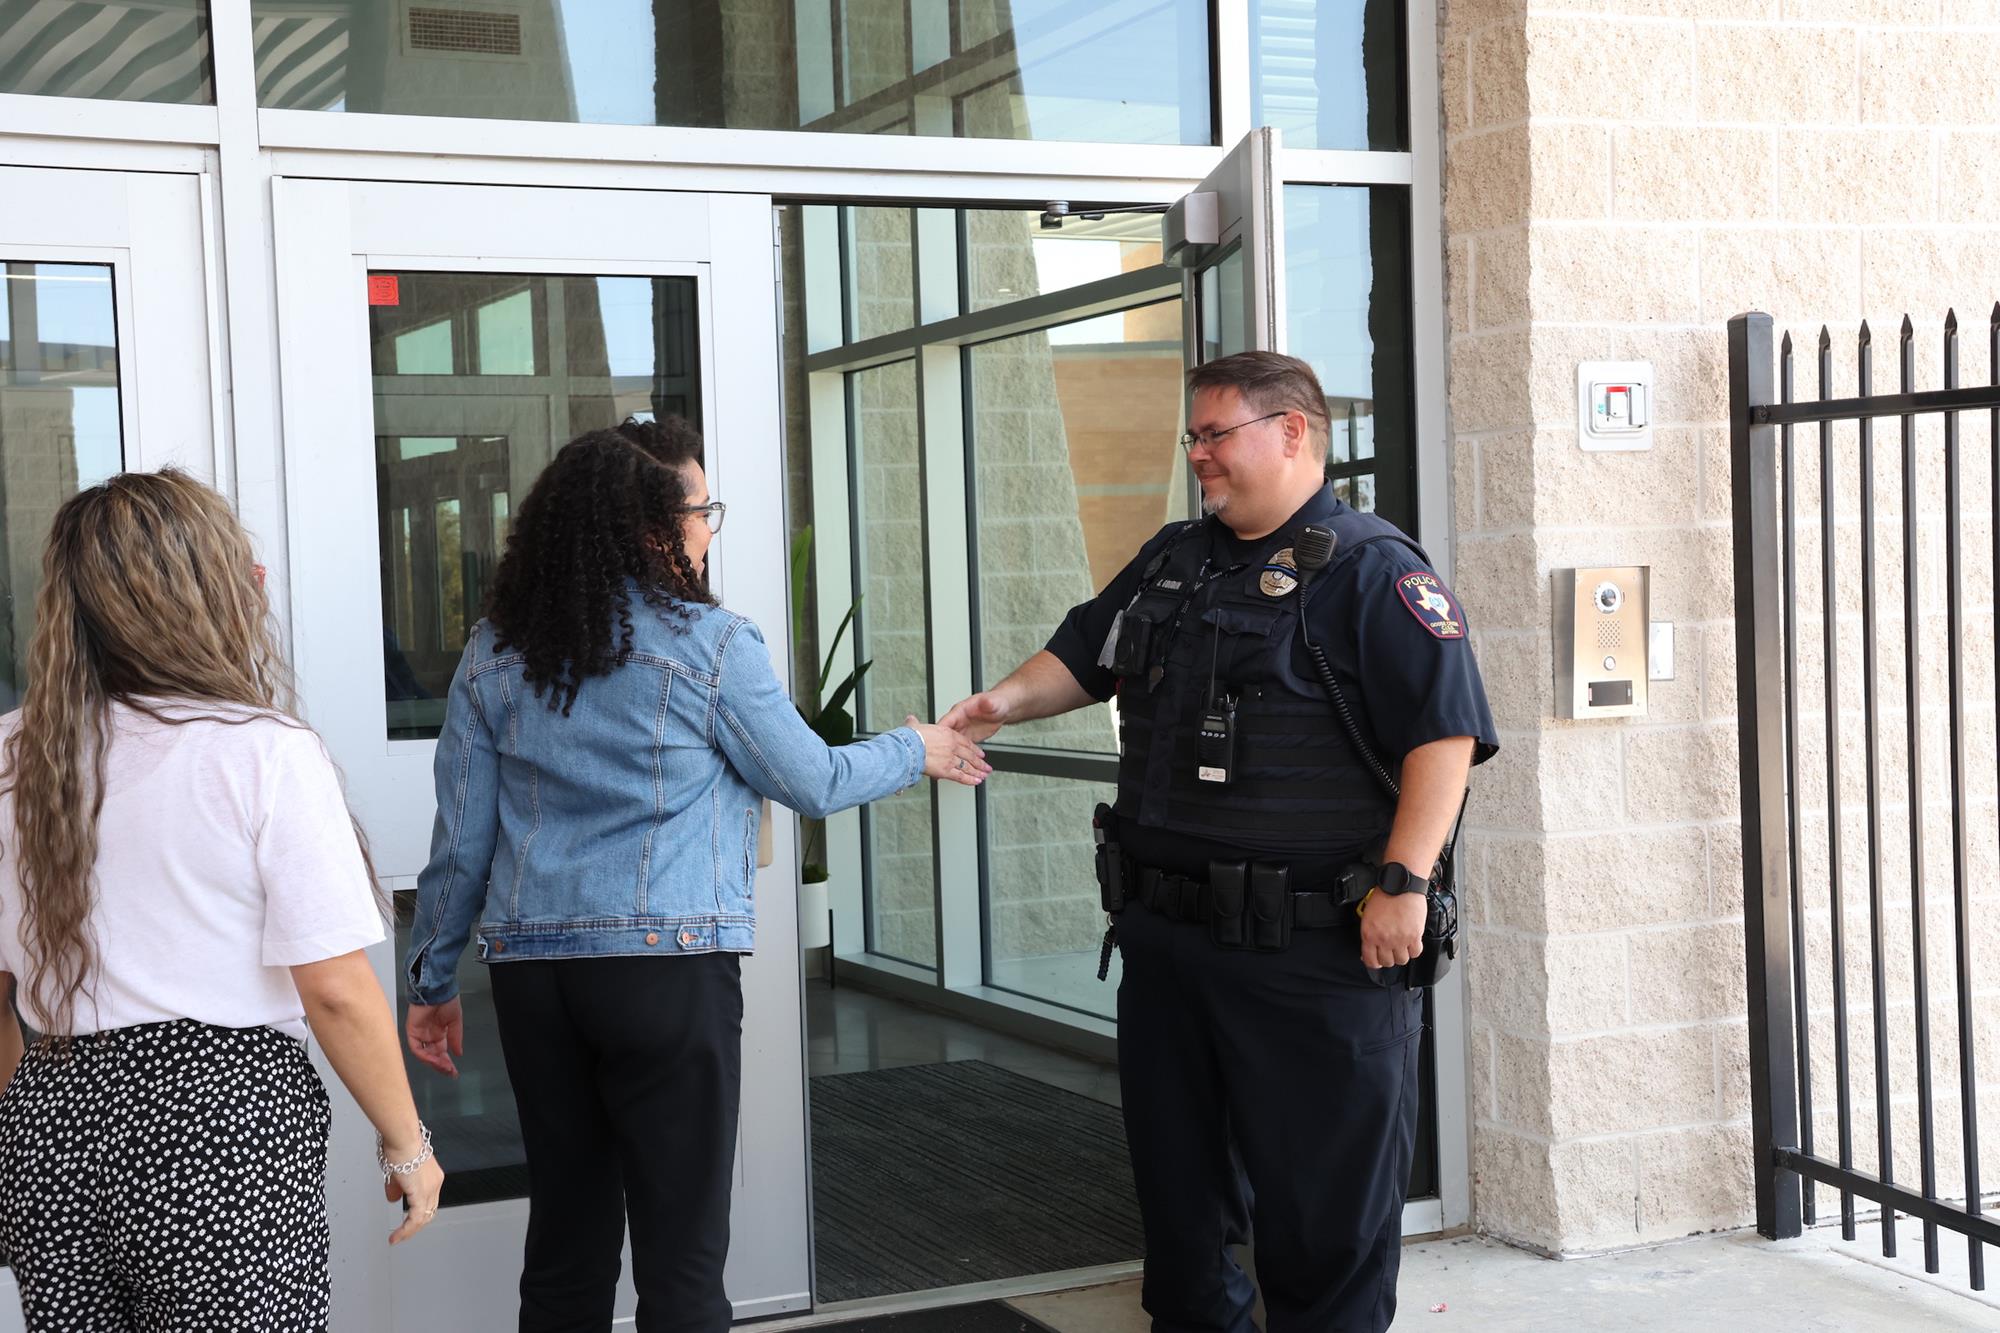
(154, 228)
(328, 234)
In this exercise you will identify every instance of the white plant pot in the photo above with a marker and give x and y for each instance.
(815, 916)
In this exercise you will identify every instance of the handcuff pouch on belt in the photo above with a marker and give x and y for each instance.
(1250, 905)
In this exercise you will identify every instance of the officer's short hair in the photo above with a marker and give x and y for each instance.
(1270, 382)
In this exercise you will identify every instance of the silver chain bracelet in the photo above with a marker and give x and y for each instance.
(390, 1168)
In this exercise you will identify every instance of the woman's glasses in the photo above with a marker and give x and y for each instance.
(711, 513)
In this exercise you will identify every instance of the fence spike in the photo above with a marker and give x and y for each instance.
(1867, 338)
(1785, 344)
(1951, 320)
(1826, 334)
(1908, 330)
(1995, 318)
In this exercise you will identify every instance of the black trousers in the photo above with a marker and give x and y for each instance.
(627, 1074)
(1268, 1097)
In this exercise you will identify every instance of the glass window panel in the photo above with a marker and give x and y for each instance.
(146, 51)
(424, 351)
(474, 1113)
(1009, 255)
(881, 271)
(1075, 466)
(1330, 73)
(506, 333)
(479, 378)
(452, 620)
(1222, 298)
(893, 634)
(59, 424)
(1347, 312)
(1043, 922)
(1126, 71)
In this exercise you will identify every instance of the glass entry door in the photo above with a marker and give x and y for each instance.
(1235, 290)
(439, 343)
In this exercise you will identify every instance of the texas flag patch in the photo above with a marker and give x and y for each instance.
(1432, 604)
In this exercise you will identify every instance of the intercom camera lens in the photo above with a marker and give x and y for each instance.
(1609, 597)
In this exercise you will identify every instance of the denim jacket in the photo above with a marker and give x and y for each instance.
(630, 826)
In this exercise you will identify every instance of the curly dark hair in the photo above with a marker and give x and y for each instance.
(607, 509)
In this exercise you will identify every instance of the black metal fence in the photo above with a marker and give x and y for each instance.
(1779, 702)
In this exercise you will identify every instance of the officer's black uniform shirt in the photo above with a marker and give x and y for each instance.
(1406, 669)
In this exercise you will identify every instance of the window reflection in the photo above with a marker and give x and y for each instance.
(1010, 256)
(59, 424)
(1329, 73)
(1075, 467)
(142, 51)
(1122, 71)
(479, 378)
(1347, 312)
(893, 635)
(1044, 922)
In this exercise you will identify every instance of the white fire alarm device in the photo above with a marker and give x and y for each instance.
(1614, 405)
(1601, 641)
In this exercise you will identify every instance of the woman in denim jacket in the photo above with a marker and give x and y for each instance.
(606, 740)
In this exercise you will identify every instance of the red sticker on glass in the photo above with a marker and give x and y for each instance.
(382, 289)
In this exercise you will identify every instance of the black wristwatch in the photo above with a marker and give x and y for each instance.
(1398, 878)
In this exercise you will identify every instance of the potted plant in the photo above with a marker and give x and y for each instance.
(829, 717)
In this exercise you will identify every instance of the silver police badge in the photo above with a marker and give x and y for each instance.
(1278, 578)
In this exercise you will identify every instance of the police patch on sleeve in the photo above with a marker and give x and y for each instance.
(1432, 604)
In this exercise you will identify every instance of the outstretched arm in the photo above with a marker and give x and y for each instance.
(1040, 687)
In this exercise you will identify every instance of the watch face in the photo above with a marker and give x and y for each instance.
(1396, 878)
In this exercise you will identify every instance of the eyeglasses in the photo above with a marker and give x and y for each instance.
(711, 513)
(1214, 437)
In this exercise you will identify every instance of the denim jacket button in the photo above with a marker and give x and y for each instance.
(499, 946)
(652, 937)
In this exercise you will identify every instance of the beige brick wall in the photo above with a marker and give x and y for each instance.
(1621, 177)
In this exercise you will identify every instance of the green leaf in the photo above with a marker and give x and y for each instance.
(835, 726)
(833, 648)
(847, 687)
(802, 546)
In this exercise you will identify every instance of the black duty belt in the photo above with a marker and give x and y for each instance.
(1180, 898)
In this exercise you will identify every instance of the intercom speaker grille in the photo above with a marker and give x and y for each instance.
(464, 31)
(1609, 638)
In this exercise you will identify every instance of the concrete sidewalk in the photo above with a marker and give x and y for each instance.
(1724, 1283)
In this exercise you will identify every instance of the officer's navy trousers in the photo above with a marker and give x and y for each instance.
(1269, 1097)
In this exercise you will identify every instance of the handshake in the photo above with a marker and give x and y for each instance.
(951, 744)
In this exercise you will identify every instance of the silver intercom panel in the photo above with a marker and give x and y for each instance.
(1600, 649)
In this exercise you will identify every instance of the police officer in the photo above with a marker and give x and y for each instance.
(1267, 860)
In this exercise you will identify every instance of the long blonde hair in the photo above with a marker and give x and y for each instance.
(149, 592)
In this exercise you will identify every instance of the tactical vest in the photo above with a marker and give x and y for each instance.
(1298, 786)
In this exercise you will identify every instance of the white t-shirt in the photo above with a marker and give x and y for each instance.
(225, 856)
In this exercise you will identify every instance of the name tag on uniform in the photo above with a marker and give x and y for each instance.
(1212, 774)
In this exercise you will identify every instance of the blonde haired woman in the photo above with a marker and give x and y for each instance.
(182, 892)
